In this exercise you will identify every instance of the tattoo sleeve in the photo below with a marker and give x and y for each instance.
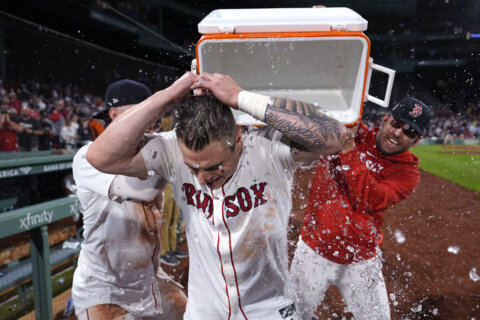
(303, 124)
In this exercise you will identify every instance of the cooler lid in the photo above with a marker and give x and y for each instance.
(281, 20)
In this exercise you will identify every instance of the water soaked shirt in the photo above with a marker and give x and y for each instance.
(116, 263)
(237, 234)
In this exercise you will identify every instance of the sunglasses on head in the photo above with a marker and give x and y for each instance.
(409, 132)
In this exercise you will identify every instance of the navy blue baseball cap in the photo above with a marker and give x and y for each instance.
(122, 93)
(414, 113)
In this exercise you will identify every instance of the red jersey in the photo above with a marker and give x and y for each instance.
(8, 138)
(349, 193)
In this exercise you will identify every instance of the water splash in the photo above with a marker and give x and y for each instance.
(473, 274)
(399, 236)
(454, 249)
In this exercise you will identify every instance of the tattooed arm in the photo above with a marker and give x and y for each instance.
(310, 132)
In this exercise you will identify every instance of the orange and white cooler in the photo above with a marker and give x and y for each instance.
(317, 55)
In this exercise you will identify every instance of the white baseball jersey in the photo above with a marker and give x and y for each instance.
(237, 234)
(116, 261)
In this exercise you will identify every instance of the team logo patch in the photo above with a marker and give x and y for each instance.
(288, 312)
(416, 111)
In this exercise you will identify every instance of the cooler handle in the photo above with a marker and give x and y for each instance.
(391, 75)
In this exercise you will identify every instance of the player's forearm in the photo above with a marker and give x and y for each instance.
(115, 148)
(302, 123)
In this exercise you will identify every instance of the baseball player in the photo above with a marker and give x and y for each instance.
(233, 188)
(116, 276)
(341, 236)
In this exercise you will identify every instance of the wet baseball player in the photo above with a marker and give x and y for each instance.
(116, 276)
(233, 188)
(341, 233)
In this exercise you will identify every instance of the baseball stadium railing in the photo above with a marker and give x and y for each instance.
(35, 220)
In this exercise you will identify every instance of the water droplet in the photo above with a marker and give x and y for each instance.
(454, 249)
(417, 308)
(399, 236)
(473, 274)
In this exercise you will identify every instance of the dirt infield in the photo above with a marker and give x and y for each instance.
(427, 274)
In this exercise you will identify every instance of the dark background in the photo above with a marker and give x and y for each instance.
(432, 44)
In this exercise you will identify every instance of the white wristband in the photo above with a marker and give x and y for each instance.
(253, 103)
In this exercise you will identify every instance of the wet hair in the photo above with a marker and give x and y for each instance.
(204, 119)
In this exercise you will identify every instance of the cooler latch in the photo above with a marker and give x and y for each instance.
(226, 29)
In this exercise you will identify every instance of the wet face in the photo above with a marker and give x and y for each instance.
(395, 137)
(215, 164)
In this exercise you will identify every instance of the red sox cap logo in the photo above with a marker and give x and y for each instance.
(416, 111)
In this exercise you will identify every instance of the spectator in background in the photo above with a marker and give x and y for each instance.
(45, 140)
(38, 100)
(34, 112)
(74, 120)
(83, 132)
(8, 129)
(84, 110)
(28, 138)
(11, 110)
(14, 102)
(68, 134)
(57, 119)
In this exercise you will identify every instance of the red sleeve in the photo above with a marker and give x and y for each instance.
(370, 192)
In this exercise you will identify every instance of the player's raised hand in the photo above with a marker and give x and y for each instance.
(223, 87)
(180, 89)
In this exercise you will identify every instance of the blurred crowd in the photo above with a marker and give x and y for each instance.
(35, 116)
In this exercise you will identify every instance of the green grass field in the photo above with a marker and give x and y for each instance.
(458, 163)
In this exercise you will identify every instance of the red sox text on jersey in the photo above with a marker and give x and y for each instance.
(247, 199)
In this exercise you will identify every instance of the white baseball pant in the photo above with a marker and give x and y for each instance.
(362, 284)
